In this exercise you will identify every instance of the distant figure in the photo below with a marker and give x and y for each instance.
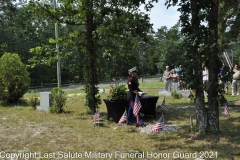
(205, 74)
(180, 73)
(167, 79)
(174, 77)
(181, 84)
(236, 80)
(177, 69)
(223, 77)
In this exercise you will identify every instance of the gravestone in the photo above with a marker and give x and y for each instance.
(184, 93)
(107, 91)
(45, 101)
(100, 90)
(205, 94)
(164, 93)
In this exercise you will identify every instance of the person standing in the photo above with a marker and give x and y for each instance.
(236, 80)
(181, 84)
(174, 77)
(205, 74)
(167, 79)
(224, 78)
(180, 73)
(133, 87)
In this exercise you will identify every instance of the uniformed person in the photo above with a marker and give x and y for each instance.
(133, 91)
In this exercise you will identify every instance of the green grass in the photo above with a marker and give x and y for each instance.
(23, 129)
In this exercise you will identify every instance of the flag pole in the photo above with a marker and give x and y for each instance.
(138, 114)
(98, 119)
(164, 132)
(191, 124)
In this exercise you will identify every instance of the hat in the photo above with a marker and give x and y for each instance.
(134, 69)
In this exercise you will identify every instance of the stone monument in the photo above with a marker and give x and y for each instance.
(45, 101)
(164, 93)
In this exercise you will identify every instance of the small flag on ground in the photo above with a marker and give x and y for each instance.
(163, 104)
(158, 126)
(96, 116)
(137, 106)
(226, 112)
(123, 118)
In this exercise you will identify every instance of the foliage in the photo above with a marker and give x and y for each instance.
(124, 37)
(58, 98)
(20, 30)
(168, 42)
(14, 78)
(201, 48)
(98, 21)
(229, 20)
(92, 103)
(33, 100)
(228, 28)
(118, 91)
(175, 95)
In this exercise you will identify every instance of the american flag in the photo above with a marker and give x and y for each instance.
(137, 106)
(158, 126)
(163, 104)
(123, 118)
(96, 116)
(226, 112)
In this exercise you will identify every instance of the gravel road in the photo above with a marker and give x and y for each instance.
(73, 87)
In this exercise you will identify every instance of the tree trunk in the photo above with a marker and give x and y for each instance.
(213, 110)
(222, 27)
(90, 63)
(199, 101)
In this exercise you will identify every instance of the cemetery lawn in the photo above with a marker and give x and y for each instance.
(24, 130)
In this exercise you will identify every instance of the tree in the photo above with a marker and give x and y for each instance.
(14, 78)
(20, 30)
(98, 20)
(168, 46)
(229, 24)
(199, 21)
(214, 65)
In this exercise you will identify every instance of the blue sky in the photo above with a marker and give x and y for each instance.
(161, 16)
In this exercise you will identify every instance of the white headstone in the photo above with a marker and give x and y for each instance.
(100, 90)
(164, 93)
(205, 94)
(184, 93)
(45, 101)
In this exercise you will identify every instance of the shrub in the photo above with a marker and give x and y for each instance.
(14, 78)
(175, 95)
(33, 100)
(118, 91)
(58, 98)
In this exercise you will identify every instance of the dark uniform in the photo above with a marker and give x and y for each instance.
(133, 86)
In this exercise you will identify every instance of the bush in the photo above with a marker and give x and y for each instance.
(14, 78)
(33, 100)
(175, 95)
(58, 98)
(118, 91)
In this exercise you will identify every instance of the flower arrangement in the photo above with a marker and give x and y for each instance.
(118, 91)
